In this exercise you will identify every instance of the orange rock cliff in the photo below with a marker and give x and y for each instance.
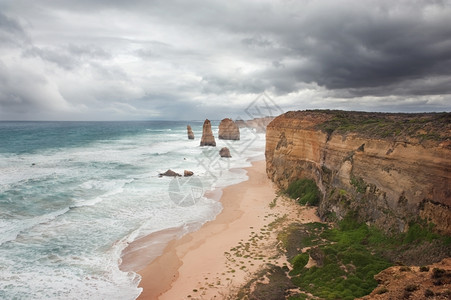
(390, 169)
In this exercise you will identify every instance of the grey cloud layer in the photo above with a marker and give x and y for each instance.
(148, 59)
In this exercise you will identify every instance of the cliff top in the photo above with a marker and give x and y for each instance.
(399, 126)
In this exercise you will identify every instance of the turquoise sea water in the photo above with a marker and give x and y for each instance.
(74, 194)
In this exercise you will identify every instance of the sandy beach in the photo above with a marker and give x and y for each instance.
(213, 262)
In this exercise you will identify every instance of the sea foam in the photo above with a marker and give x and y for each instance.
(74, 195)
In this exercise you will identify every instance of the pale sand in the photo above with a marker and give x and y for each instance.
(216, 260)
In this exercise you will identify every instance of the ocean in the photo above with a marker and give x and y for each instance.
(73, 195)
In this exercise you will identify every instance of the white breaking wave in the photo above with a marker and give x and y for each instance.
(89, 202)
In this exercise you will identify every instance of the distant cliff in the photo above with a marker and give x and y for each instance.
(259, 124)
(388, 168)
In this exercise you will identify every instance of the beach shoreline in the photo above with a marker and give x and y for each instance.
(205, 263)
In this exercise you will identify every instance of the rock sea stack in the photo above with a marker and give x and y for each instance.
(225, 152)
(228, 130)
(170, 173)
(187, 173)
(190, 132)
(207, 135)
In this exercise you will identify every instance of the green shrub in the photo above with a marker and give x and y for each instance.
(424, 269)
(298, 297)
(381, 290)
(351, 254)
(428, 293)
(359, 184)
(411, 288)
(305, 190)
(382, 125)
(420, 232)
(438, 273)
(299, 262)
(349, 263)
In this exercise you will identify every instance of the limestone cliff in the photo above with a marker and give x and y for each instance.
(389, 168)
(259, 124)
(207, 135)
(228, 130)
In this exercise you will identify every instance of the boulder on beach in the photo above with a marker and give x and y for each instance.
(187, 173)
(228, 130)
(207, 135)
(169, 173)
(225, 152)
(190, 132)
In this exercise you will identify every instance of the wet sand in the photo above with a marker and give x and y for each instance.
(213, 262)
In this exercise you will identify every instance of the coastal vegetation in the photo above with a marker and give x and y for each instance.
(305, 191)
(346, 261)
(339, 260)
(379, 125)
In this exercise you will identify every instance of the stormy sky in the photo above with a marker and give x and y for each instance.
(166, 60)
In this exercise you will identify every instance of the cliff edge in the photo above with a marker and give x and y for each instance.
(390, 169)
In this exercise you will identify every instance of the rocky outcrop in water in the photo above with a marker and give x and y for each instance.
(187, 173)
(169, 173)
(225, 152)
(207, 135)
(228, 130)
(388, 168)
(190, 132)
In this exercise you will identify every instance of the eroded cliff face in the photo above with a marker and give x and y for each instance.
(388, 178)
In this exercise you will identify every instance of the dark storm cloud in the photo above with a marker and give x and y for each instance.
(11, 32)
(159, 57)
(370, 50)
(349, 45)
(356, 45)
(68, 57)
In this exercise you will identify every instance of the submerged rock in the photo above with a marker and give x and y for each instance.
(190, 132)
(225, 152)
(170, 173)
(187, 173)
(228, 130)
(207, 135)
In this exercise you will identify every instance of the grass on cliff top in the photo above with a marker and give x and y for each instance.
(427, 126)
